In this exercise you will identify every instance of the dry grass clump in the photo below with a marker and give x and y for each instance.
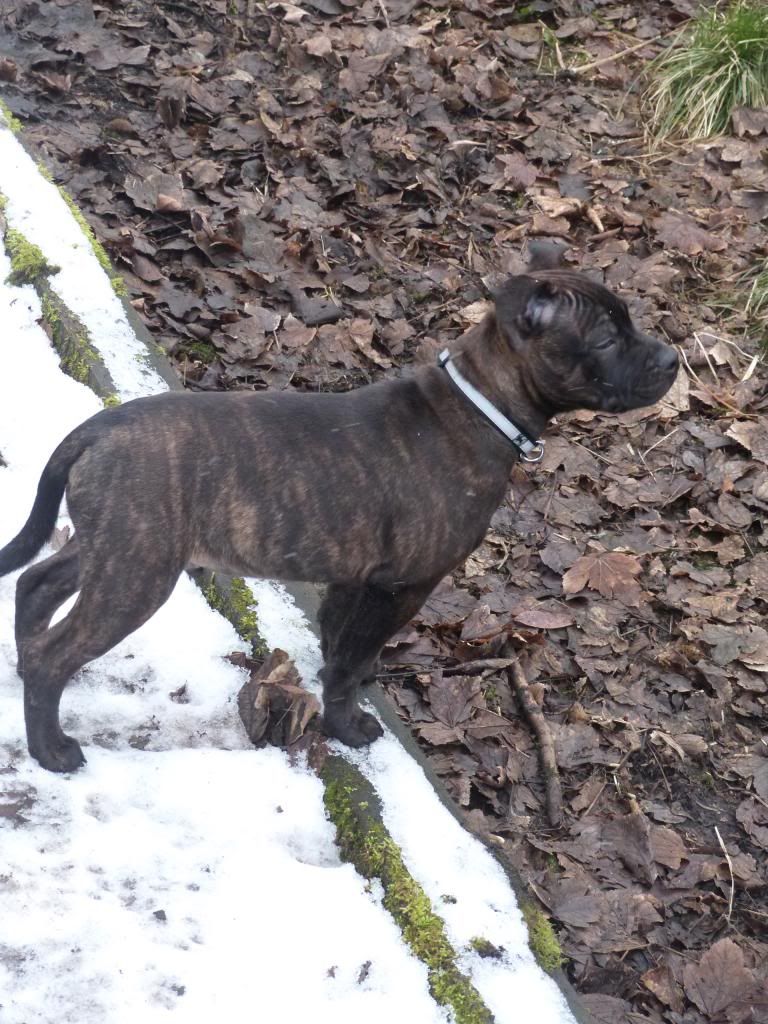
(721, 63)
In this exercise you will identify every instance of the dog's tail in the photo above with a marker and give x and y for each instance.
(42, 519)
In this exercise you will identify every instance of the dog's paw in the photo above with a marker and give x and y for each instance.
(62, 755)
(358, 730)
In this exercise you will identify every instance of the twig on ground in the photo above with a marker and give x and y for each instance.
(539, 724)
(730, 871)
(474, 668)
(581, 68)
(704, 352)
(594, 801)
(384, 12)
(660, 441)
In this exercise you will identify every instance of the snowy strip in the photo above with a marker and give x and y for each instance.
(443, 858)
(181, 872)
(37, 209)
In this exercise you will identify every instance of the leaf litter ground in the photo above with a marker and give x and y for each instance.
(310, 195)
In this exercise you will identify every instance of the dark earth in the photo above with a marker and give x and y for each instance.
(311, 195)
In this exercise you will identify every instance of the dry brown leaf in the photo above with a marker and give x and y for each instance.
(661, 981)
(667, 847)
(318, 46)
(611, 573)
(544, 618)
(361, 333)
(682, 233)
(752, 435)
(720, 980)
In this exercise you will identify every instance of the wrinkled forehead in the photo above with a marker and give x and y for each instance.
(582, 287)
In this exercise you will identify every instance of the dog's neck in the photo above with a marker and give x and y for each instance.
(486, 360)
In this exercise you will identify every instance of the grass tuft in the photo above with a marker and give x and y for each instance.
(720, 64)
(753, 310)
(757, 300)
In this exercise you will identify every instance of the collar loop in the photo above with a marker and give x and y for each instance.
(530, 451)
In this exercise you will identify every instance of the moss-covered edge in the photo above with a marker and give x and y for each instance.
(354, 809)
(69, 336)
(28, 263)
(99, 251)
(542, 938)
(233, 598)
(118, 285)
(13, 123)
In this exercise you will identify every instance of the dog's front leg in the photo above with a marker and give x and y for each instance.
(355, 623)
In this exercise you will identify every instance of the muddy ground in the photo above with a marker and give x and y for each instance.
(312, 195)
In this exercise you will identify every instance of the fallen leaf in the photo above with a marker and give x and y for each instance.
(543, 618)
(612, 573)
(752, 436)
(682, 233)
(661, 981)
(719, 981)
(274, 706)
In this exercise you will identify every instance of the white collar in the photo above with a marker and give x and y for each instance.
(530, 451)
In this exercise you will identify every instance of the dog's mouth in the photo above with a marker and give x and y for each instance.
(653, 388)
(649, 385)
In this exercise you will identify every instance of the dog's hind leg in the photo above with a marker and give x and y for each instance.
(42, 589)
(113, 602)
(355, 623)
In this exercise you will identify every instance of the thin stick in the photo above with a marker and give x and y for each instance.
(660, 441)
(616, 56)
(704, 352)
(730, 871)
(538, 723)
(474, 668)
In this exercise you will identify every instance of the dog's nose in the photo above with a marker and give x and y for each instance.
(668, 359)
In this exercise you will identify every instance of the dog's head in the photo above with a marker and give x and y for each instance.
(578, 345)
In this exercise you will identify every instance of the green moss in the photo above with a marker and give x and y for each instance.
(364, 842)
(99, 251)
(492, 698)
(484, 948)
(524, 13)
(111, 401)
(237, 604)
(28, 264)
(13, 122)
(542, 938)
(201, 350)
(75, 350)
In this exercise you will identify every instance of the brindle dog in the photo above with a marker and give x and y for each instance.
(377, 493)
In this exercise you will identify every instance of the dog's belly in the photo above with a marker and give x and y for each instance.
(382, 552)
(327, 563)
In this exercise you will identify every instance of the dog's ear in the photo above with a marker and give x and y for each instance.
(540, 308)
(546, 254)
(525, 308)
